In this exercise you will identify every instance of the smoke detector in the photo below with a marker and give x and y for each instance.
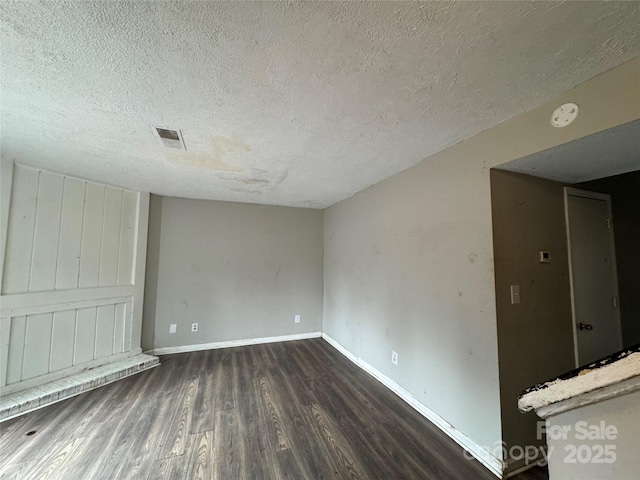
(564, 115)
(169, 137)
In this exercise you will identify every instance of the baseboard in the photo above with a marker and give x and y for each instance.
(232, 343)
(340, 348)
(512, 471)
(494, 464)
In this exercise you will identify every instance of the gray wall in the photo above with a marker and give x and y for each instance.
(409, 261)
(242, 271)
(535, 337)
(408, 267)
(625, 200)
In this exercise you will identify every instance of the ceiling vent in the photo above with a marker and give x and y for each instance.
(170, 138)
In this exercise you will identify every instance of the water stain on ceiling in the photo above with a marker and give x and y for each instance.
(224, 155)
(308, 102)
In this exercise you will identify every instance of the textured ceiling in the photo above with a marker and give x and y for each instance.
(298, 104)
(611, 152)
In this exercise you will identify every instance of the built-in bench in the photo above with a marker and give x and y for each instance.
(30, 399)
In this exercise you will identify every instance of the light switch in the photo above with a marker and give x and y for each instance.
(515, 294)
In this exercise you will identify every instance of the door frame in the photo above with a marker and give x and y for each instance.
(576, 192)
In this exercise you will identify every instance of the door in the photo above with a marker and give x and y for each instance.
(592, 269)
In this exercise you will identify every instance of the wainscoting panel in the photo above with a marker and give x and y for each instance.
(68, 278)
(45, 343)
(66, 233)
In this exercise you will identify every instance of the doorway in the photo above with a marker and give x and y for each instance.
(593, 276)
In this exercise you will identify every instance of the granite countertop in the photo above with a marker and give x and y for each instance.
(602, 373)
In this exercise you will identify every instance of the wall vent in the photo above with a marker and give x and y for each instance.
(170, 138)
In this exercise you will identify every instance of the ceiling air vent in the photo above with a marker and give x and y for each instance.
(170, 138)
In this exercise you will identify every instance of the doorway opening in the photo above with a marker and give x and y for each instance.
(593, 276)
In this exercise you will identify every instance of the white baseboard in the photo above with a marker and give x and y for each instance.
(494, 464)
(232, 343)
(511, 471)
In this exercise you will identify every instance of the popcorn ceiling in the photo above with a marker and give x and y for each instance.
(285, 103)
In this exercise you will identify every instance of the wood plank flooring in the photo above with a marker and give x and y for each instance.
(295, 410)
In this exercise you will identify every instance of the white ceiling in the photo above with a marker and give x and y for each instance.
(299, 104)
(603, 154)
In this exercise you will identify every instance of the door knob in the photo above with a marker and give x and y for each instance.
(585, 326)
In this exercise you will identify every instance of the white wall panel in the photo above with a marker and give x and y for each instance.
(57, 300)
(5, 333)
(128, 325)
(17, 335)
(48, 342)
(68, 282)
(6, 178)
(47, 233)
(17, 264)
(110, 237)
(62, 340)
(104, 331)
(85, 338)
(119, 327)
(91, 236)
(70, 234)
(126, 255)
(37, 345)
(65, 233)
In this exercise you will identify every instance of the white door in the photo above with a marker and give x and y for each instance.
(592, 268)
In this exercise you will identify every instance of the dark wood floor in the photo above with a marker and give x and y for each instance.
(296, 410)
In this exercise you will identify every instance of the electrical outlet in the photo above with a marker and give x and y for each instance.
(194, 327)
(394, 358)
(297, 319)
(173, 328)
